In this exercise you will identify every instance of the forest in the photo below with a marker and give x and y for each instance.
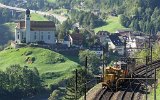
(17, 82)
(140, 15)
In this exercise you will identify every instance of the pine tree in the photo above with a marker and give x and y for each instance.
(70, 89)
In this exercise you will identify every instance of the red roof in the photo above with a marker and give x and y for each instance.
(38, 25)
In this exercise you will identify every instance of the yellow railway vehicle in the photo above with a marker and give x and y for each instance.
(120, 69)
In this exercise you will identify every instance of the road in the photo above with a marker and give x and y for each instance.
(58, 17)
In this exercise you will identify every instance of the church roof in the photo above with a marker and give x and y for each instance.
(38, 25)
(27, 12)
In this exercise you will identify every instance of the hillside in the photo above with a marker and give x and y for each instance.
(113, 24)
(38, 17)
(52, 66)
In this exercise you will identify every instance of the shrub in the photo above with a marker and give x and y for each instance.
(50, 75)
(30, 60)
(27, 53)
(54, 95)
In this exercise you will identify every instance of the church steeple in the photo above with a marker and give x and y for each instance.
(27, 14)
(27, 25)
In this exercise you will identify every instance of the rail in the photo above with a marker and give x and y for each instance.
(140, 70)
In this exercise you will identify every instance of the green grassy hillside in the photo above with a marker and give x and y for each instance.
(53, 66)
(113, 24)
(38, 17)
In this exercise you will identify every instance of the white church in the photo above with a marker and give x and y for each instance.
(35, 31)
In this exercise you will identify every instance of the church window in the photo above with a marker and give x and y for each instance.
(22, 35)
(42, 37)
(18, 36)
(49, 37)
(35, 36)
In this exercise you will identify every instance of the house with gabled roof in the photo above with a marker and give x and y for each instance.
(116, 44)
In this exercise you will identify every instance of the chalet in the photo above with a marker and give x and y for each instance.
(35, 31)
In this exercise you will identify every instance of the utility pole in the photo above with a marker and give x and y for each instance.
(125, 48)
(155, 84)
(85, 85)
(146, 74)
(154, 76)
(76, 85)
(103, 64)
(151, 49)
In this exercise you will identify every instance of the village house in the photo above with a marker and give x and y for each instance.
(35, 31)
(103, 36)
(68, 40)
(77, 39)
(113, 40)
(116, 44)
(97, 48)
(130, 39)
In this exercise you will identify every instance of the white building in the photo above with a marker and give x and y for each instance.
(35, 31)
(97, 48)
(68, 40)
(116, 44)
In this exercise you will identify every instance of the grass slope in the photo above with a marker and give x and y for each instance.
(38, 17)
(45, 60)
(112, 25)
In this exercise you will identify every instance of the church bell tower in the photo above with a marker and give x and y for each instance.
(27, 25)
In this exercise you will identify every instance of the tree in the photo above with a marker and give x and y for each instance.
(66, 26)
(54, 95)
(19, 80)
(40, 4)
(81, 80)
(124, 21)
(93, 60)
(135, 24)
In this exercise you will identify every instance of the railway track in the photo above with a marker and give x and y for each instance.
(142, 68)
(105, 94)
(150, 71)
(131, 92)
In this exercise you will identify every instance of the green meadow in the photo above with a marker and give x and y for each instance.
(113, 24)
(54, 66)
